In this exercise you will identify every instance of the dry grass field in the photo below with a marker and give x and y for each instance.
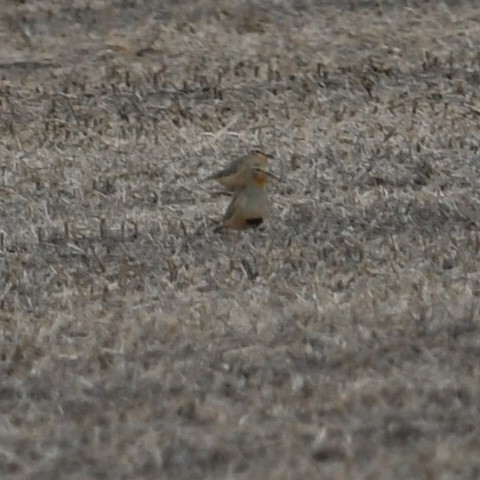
(339, 341)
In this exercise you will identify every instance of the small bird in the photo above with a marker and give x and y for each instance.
(250, 205)
(234, 176)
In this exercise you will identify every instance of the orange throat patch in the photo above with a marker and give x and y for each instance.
(260, 180)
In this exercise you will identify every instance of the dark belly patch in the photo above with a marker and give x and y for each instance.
(254, 222)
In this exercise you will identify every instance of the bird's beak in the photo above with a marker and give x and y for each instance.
(265, 154)
(268, 173)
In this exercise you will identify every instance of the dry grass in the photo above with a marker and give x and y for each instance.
(341, 341)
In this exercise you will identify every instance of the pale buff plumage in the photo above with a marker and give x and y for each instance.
(235, 175)
(250, 205)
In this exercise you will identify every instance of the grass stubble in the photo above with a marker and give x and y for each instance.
(340, 341)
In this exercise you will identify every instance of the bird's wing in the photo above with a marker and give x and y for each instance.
(228, 170)
(232, 206)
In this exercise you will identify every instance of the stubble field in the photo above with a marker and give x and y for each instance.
(339, 341)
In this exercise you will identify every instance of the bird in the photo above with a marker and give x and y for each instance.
(234, 176)
(250, 205)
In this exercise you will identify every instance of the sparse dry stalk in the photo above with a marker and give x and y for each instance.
(103, 228)
(66, 231)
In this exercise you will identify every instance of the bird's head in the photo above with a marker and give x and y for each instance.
(261, 156)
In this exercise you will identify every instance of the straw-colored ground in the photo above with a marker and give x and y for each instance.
(340, 341)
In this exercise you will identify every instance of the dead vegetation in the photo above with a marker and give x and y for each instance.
(340, 341)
